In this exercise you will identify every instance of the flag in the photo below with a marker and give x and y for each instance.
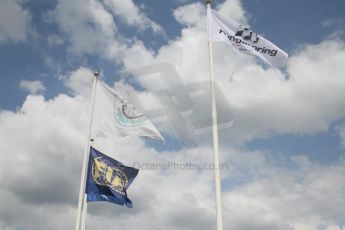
(108, 179)
(244, 40)
(114, 116)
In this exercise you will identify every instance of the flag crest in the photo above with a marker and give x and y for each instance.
(108, 179)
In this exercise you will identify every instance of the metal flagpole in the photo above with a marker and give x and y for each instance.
(214, 128)
(83, 221)
(82, 205)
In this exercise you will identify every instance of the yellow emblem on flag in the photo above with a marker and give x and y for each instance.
(106, 175)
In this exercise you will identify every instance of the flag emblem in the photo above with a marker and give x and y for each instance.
(247, 34)
(127, 115)
(108, 179)
(107, 175)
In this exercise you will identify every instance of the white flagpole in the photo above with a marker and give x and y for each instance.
(214, 128)
(83, 222)
(82, 205)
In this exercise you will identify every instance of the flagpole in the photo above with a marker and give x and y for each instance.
(217, 178)
(83, 222)
(82, 205)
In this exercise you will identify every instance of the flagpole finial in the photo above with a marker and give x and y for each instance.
(95, 74)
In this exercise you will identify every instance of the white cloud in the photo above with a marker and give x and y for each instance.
(341, 132)
(90, 28)
(80, 81)
(34, 87)
(48, 163)
(54, 40)
(14, 22)
(335, 227)
(41, 161)
(308, 102)
(304, 99)
(132, 15)
(189, 15)
(306, 196)
(333, 22)
(233, 9)
(44, 183)
(136, 55)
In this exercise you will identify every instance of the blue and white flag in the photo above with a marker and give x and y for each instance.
(114, 117)
(244, 40)
(108, 179)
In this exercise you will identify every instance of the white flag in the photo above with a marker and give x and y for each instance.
(114, 116)
(243, 40)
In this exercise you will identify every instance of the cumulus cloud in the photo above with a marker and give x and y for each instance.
(189, 15)
(232, 9)
(333, 22)
(34, 87)
(80, 81)
(41, 161)
(89, 26)
(307, 196)
(44, 182)
(132, 15)
(341, 131)
(48, 163)
(305, 98)
(14, 22)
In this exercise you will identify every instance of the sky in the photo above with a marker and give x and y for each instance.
(281, 131)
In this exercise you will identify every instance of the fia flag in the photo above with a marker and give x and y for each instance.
(108, 179)
(114, 116)
(243, 40)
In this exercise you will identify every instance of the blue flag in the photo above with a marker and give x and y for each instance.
(108, 179)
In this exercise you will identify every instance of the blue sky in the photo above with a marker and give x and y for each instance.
(302, 23)
(287, 129)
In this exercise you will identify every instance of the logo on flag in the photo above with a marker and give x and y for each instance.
(107, 175)
(127, 115)
(108, 179)
(247, 34)
(115, 117)
(244, 40)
